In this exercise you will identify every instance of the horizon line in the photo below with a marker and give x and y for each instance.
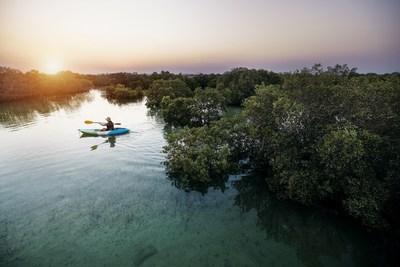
(195, 73)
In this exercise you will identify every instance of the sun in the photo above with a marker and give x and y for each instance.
(52, 67)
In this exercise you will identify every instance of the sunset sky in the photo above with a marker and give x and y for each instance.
(192, 36)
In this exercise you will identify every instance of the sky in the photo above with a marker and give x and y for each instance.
(193, 36)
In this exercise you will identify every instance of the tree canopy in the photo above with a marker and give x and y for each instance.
(318, 136)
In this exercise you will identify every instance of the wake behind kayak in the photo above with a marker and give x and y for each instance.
(99, 132)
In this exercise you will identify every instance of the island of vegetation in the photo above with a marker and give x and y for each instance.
(326, 137)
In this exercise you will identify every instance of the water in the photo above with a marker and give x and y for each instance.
(71, 201)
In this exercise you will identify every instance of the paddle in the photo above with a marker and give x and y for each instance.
(90, 122)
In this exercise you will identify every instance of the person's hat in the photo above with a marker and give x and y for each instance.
(108, 119)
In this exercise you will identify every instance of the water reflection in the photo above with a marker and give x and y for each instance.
(24, 113)
(316, 236)
(111, 140)
(193, 185)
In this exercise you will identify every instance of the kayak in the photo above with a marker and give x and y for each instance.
(98, 132)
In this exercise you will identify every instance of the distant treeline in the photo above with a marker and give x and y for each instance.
(143, 81)
(235, 85)
(15, 85)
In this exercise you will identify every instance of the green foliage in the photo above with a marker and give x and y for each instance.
(178, 111)
(321, 137)
(161, 88)
(143, 81)
(201, 80)
(198, 158)
(239, 83)
(328, 137)
(348, 157)
(209, 106)
(205, 106)
(121, 93)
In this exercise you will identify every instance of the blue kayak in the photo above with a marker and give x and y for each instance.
(99, 132)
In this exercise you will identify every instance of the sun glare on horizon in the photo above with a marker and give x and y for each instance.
(52, 67)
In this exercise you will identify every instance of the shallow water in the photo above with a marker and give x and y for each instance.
(71, 201)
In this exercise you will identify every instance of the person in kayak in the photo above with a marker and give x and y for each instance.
(109, 125)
